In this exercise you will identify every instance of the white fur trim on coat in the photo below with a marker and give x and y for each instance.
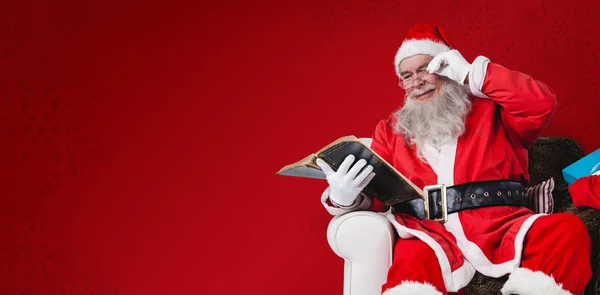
(476, 256)
(453, 280)
(523, 281)
(442, 163)
(412, 288)
(413, 47)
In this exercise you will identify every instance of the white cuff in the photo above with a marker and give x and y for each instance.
(362, 203)
(477, 75)
(412, 288)
(351, 206)
(526, 282)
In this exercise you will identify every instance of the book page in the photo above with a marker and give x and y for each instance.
(304, 172)
(308, 162)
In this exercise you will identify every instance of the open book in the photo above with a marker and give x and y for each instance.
(388, 186)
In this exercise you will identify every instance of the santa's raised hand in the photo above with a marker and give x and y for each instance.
(450, 64)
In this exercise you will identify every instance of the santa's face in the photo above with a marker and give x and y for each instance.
(435, 107)
(418, 83)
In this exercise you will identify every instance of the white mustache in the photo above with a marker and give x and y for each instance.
(417, 92)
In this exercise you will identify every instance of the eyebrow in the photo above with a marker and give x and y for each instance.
(418, 69)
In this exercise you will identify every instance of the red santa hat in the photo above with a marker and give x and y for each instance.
(422, 38)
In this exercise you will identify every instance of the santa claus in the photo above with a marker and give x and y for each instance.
(463, 133)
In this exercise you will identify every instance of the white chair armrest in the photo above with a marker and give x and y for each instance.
(365, 240)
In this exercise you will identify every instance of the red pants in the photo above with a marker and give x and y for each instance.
(557, 245)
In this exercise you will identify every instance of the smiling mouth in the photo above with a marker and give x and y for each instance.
(426, 92)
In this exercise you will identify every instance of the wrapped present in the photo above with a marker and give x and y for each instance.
(586, 166)
(585, 191)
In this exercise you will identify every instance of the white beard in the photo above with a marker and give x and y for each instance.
(437, 120)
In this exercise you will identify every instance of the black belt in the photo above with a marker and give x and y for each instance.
(464, 196)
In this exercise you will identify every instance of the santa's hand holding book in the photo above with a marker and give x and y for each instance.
(348, 181)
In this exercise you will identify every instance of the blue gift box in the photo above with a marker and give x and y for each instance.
(586, 166)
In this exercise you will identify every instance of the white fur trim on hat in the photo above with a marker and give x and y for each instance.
(418, 46)
(526, 282)
(412, 288)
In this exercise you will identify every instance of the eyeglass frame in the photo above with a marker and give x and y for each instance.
(420, 75)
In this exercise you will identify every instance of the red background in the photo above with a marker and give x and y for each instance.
(139, 141)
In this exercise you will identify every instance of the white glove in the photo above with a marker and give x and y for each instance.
(450, 64)
(346, 184)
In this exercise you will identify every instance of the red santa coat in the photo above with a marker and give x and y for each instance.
(506, 119)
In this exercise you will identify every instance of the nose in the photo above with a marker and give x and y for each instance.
(417, 83)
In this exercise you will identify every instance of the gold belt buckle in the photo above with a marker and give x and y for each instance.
(442, 189)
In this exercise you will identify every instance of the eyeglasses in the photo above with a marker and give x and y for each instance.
(409, 82)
